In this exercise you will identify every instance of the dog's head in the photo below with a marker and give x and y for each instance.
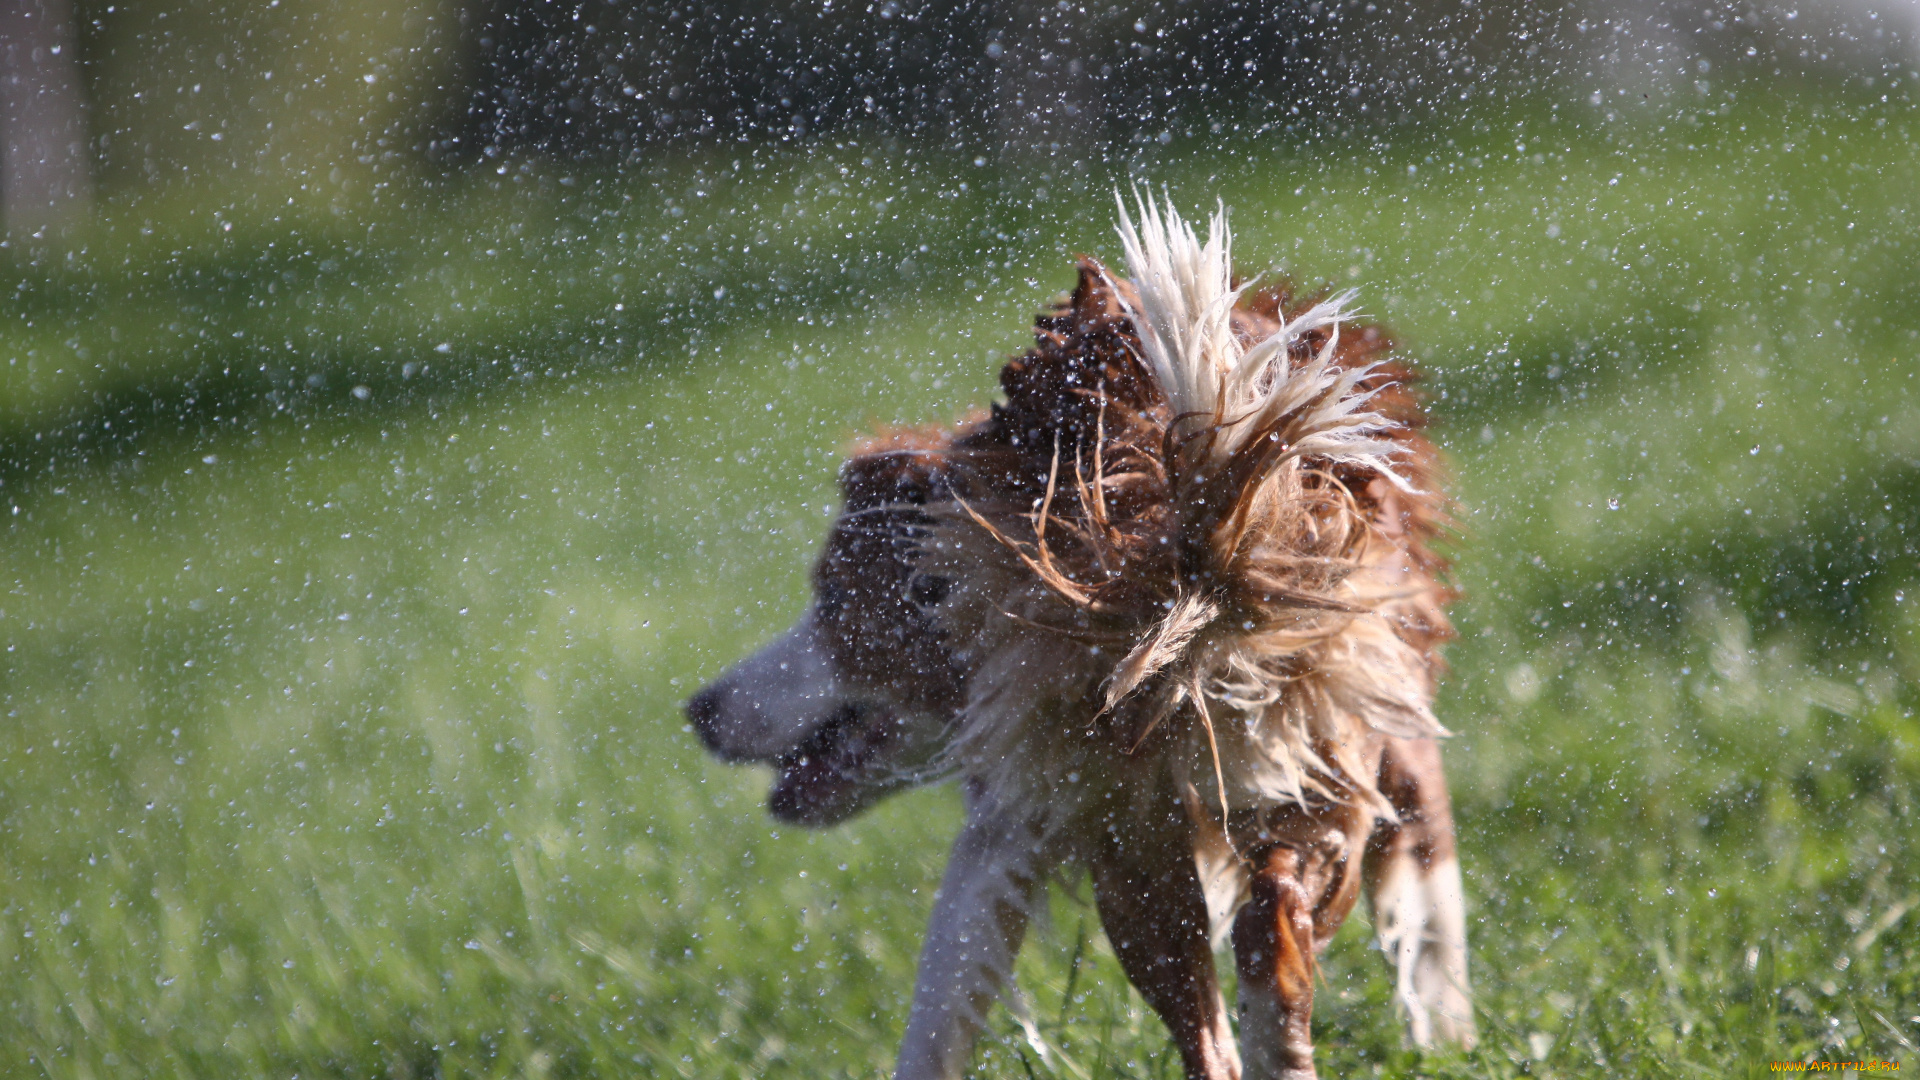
(849, 704)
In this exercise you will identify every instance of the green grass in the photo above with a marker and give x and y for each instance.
(342, 735)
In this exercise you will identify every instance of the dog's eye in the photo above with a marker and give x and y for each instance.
(929, 591)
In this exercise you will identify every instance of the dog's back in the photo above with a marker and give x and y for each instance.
(1170, 611)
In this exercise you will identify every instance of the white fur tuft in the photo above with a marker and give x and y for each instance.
(1184, 322)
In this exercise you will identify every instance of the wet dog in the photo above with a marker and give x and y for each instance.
(1169, 612)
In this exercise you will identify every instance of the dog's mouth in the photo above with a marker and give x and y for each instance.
(830, 777)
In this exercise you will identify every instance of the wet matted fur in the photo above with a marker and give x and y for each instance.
(1169, 611)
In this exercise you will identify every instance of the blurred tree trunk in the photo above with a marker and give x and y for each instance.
(45, 173)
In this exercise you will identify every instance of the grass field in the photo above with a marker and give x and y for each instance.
(342, 698)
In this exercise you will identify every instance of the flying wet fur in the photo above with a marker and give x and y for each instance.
(1169, 612)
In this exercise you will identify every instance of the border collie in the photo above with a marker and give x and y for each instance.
(1169, 612)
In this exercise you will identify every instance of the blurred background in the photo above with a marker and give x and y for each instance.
(405, 406)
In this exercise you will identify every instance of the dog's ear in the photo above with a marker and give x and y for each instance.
(1083, 373)
(1097, 294)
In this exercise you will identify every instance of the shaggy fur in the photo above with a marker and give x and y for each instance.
(1170, 611)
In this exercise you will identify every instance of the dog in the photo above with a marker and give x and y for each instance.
(1170, 612)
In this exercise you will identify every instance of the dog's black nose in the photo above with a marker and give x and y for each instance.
(703, 711)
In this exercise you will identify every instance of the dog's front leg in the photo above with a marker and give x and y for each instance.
(1273, 944)
(1154, 908)
(979, 919)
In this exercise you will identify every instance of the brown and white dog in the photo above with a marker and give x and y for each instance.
(1170, 613)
